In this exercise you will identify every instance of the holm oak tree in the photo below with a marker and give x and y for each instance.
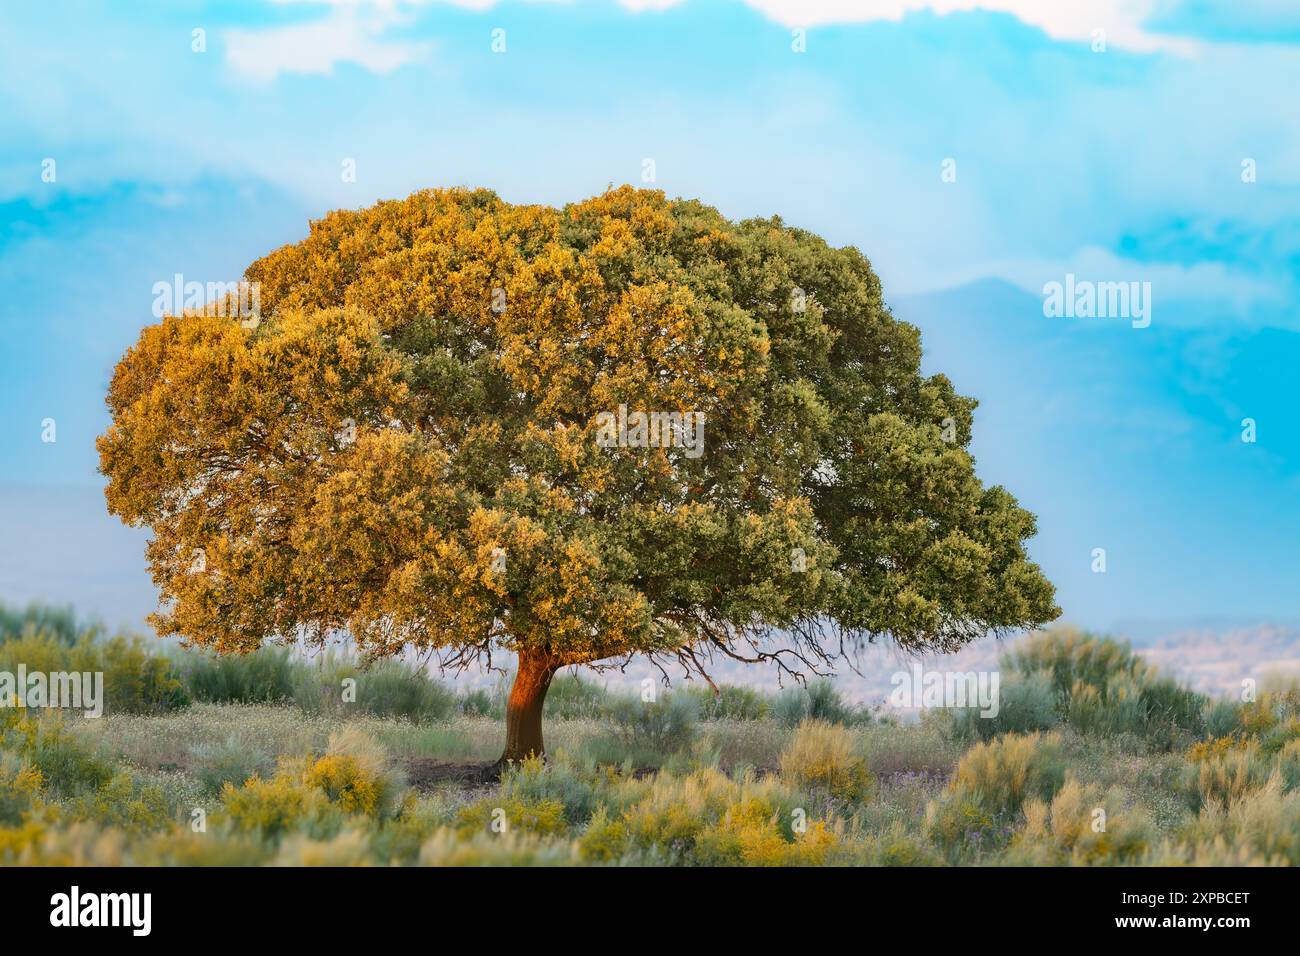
(406, 449)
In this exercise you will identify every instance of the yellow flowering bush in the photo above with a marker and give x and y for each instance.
(824, 755)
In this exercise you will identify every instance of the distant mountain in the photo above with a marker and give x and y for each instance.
(1212, 660)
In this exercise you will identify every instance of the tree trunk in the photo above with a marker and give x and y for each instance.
(524, 708)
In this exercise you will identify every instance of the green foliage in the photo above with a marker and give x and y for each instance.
(1221, 718)
(67, 766)
(59, 623)
(123, 803)
(652, 729)
(1261, 828)
(895, 847)
(360, 459)
(570, 696)
(385, 688)
(990, 784)
(135, 681)
(266, 675)
(1080, 827)
(272, 807)
(818, 700)
(20, 785)
(710, 819)
(481, 703)
(729, 702)
(231, 762)
(1222, 770)
(1001, 774)
(530, 800)
(1099, 686)
(533, 783)
(355, 774)
(1027, 702)
(316, 795)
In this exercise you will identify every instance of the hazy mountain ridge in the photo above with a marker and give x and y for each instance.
(1211, 660)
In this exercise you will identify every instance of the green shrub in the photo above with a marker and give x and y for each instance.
(274, 806)
(708, 818)
(533, 782)
(896, 847)
(729, 702)
(231, 762)
(1079, 826)
(1001, 774)
(397, 840)
(571, 697)
(1225, 770)
(122, 803)
(1221, 718)
(135, 680)
(992, 781)
(1025, 704)
(68, 767)
(59, 623)
(1261, 827)
(752, 832)
(819, 700)
(35, 651)
(652, 730)
(354, 774)
(479, 703)
(386, 688)
(505, 815)
(1101, 687)
(263, 677)
(317, 796)
(20, 786)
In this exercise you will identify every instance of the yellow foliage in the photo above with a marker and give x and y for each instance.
(544, 817)
(270, 806)
(824, 755)
(1214, 748)
(749, 835)
(345, 783)
(1000, 774)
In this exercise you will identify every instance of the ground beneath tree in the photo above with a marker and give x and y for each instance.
(429, 773)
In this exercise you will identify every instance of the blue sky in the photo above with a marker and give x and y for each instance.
(1122, 164)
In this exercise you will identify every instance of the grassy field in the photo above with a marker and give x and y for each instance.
(1093, 759)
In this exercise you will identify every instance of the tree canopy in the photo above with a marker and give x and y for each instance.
(405, 447)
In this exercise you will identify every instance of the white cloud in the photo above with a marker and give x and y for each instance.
(1067, 20)
(351, 33)
(353, 30)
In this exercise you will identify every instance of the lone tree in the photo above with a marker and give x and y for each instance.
(452, 430)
